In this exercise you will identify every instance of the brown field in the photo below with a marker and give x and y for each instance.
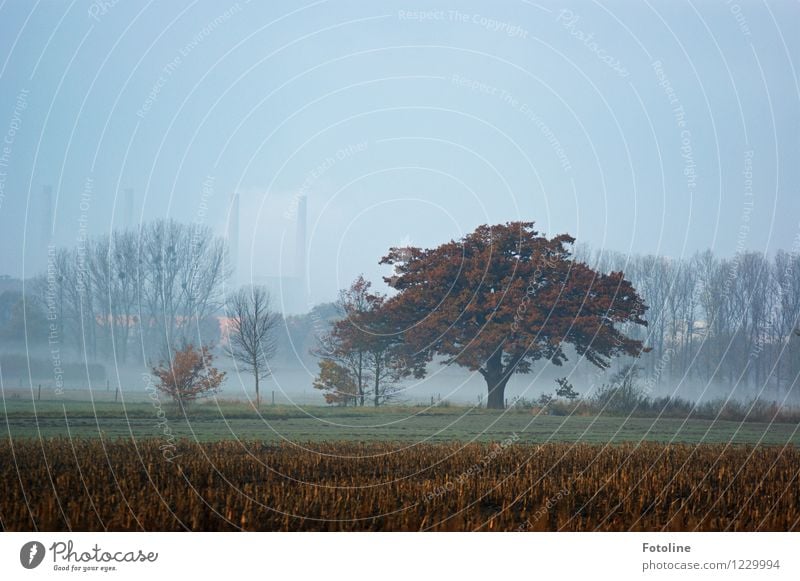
(100, 485)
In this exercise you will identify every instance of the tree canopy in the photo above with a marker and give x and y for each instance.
(506, 296)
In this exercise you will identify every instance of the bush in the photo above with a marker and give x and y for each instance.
(622, 394)
(189, 375)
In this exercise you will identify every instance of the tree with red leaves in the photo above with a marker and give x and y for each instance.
(364, 348)
(337, 383)
(189, 375)
(504, 297)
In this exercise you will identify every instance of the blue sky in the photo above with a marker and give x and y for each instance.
(646, 127)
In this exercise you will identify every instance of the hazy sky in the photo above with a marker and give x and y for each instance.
(646, 127)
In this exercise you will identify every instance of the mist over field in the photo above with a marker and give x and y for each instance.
(350, 265)
(300, 146)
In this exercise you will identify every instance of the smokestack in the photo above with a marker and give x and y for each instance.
(128, 219)
(300, 241)
(46, 232)
(232, 235)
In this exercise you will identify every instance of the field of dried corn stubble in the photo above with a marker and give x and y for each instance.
(88, 485)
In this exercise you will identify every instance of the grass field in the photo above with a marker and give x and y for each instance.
(212, 421)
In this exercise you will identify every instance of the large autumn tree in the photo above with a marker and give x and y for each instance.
(504, 297)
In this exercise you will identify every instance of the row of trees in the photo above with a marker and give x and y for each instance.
(496, 302)
(148, 289)
(505, 297)
(728, 320)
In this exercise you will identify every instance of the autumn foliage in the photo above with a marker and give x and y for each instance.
(362, 353)
(336, 383)
(504, 297)
(189, 375)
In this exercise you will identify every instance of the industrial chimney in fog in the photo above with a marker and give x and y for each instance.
(232, 236)
(46, 226)
(300, 241)
(127, 208)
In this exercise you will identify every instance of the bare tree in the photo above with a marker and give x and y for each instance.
(180, 272)
(251, 332)
(786, 315)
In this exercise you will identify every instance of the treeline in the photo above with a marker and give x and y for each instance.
(130, 295)
(711, 319)
(132, 291)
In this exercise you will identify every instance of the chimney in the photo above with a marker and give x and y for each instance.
(46, 231)
(232, 235)
(300, 241)
(128, 218)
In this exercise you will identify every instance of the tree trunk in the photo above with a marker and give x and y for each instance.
(361, 379)
(377, 382)
(258, 396)
(497, 391)
(496, 382)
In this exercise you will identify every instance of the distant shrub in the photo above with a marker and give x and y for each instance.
(623, 394)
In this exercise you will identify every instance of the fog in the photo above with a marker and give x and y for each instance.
(393, 127)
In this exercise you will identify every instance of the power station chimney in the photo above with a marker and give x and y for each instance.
(128, 219)
(46, 227)
(232, 235)
(300, 241)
